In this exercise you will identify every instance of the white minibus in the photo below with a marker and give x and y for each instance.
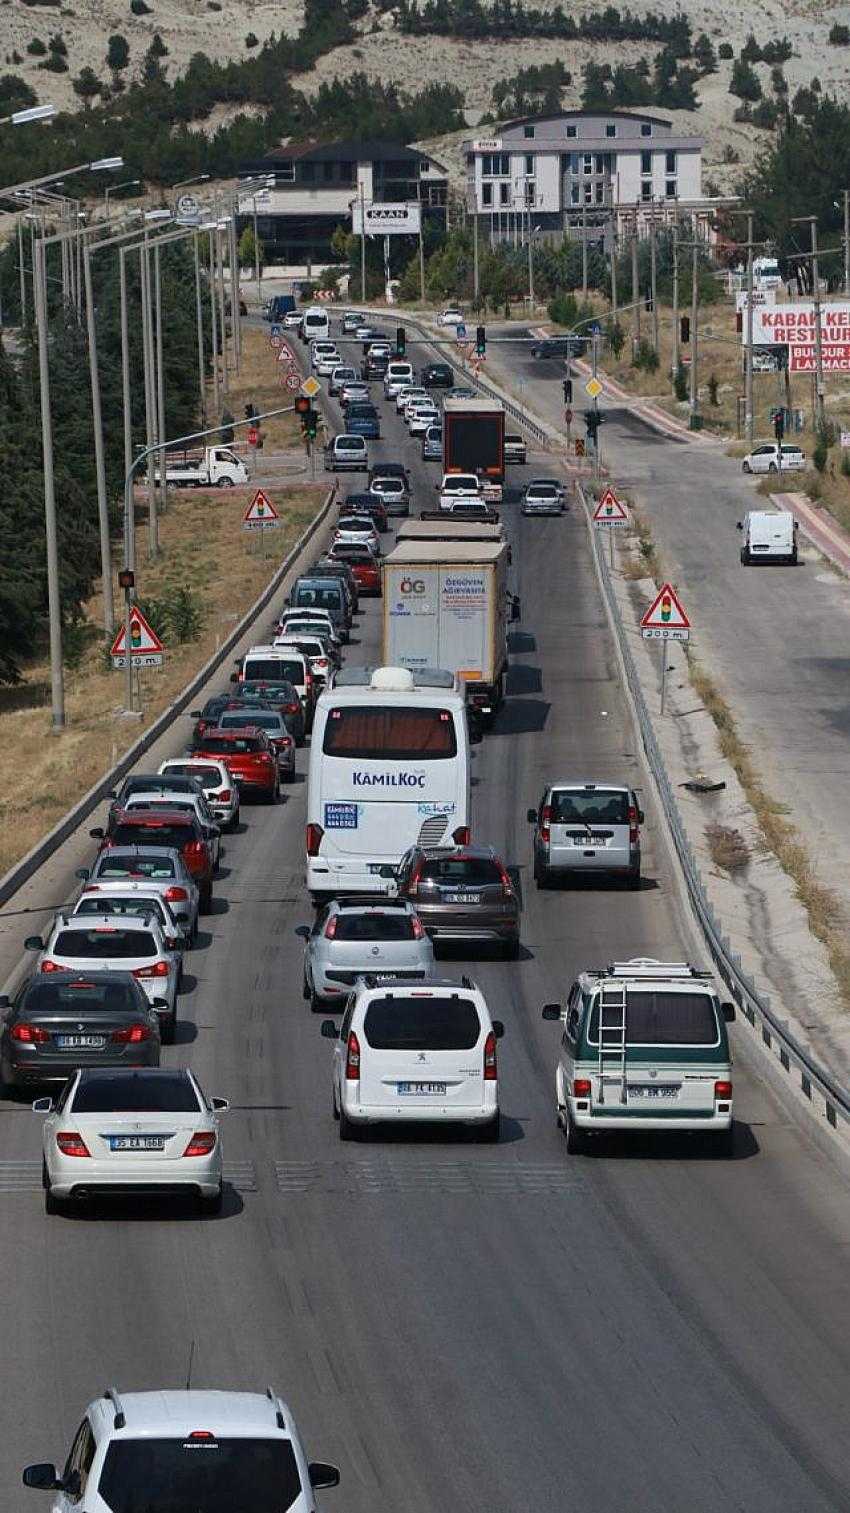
(315, 324)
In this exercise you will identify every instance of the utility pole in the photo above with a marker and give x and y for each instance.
(653, 282)
(748, 370)
(214, 332)
(635, 282)
(54, 602)
(529, 193)
(847, 242)
(99, 459)
(819, 390)
(22, 271)
(476, 279)
(150, 405)
(125, 361)
(258, 277)
(421, 244)
(222, 311)
(694, 396)
(160, 380)
(199, 321)
(584, 253)
(674, 360)
(363, 245)
(235, 315)
(613, 268)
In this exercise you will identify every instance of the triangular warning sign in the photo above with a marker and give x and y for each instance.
(142, 639)
(666, 611)
(260, 510)
(610, 507)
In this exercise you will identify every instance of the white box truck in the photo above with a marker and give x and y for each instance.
(446, 604)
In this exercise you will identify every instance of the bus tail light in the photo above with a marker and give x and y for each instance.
(315, 834)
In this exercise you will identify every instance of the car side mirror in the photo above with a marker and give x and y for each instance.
(552, 1011)
(531, 816)
(739, 526)
(42, 1476)
(322, 1474)
(640, 816)
(5, 1000)
(498, 1029)
(728, 1012)
(329, 1030)
(160, 1003)
(33, 943)
(303, 931)
(83, 874)
(97, 833)
(195, 714)
(234, 677)
(220, 1105)
(43, 1106)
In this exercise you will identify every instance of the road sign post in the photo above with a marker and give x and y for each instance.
(146, 649)
(665, 620)
(612, 514)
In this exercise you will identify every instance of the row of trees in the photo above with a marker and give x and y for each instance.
(669, 84)
(23, 587)
(512, 19)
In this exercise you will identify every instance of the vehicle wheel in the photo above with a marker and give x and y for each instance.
(348, 1130)
(305, 989)
(745, 468)
(745, 556)
(45, 1180)
(541, 876)
(233, 823)
(334, 1109)
(225, 483)
(793, 559)
(488, 1134)
(206, 898)
(576, 1138)
(168, 1029)
(724, 1143)
(633, 878)
(317, 1006)
(53, 1205)
(510, 949)
(211, 1203)
(772, 468)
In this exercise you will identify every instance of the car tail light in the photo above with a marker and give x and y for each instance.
(318, 662)
(195, 851)
(507, 885)
(462, 836)
(352, 1058)
(133, 1035)
(315, 834)
(415, 880)
(222, 798)
(266, 757)
(581, 1087)
(71, 1144)
(545, 822)
(201, 1143)
(28, 1034)
(291, 708)
(176, 895)
(723, 1090)
(156, 969)
(330, 928)
(490, 1057)
(418, 927)
(634, 833)
(49, 966)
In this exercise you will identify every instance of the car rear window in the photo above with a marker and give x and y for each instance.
(155, 867)
(264, 719)
(155, 833)
(374, 926)
(326, 596)
(134, 904)
(421, 1024)
(461, 869)
(80, 998)
(140, 1092)
(663, 1018)
(585, 808)
(237, 745)
(206, 776)
(273, 669)
(104, 943)
(199, 1475)
(271, 691)
(392, 734)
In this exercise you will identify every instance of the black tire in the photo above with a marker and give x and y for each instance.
(225, 483)
(510, 949)
(334, 1109)
(745, 556)
(45, 1180)
(305, 990)
(793, 559)
(633, 879)
(541, 876)
(723, 1143)
(317, 1005)
(746, 468)
(576, 1138)
(211, 1203)
(489, 1133)
(168, 1028)
(54, 1205)
(347, 1129)
(772, 468)
(206, 898)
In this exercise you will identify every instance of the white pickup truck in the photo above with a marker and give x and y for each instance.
(215, 467)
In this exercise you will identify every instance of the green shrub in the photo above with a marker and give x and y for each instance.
(645, 357)
(712, 388)
(252, 40)
(36, 48)
(680, 383)
(821, 452)
(845, 463)
(563, 310)
(725, 51)
(139, 8)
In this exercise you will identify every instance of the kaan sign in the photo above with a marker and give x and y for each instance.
(386, 219)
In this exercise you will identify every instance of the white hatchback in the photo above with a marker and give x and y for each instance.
(220, 792)
(770, 457)
(416, 1055)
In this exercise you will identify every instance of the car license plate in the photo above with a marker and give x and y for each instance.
(665, 1090)
(136, 1142)
(426, 1089)
(462, 898)
(81, 1042)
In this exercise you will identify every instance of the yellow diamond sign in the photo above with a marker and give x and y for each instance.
(593, 387)
(310, 387)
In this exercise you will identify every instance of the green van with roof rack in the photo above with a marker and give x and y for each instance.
(644, 1046)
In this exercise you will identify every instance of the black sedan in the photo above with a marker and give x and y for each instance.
(63, 1020)
(437, 375)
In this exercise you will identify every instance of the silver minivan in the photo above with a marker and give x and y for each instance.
(588, 828)
(397, 374)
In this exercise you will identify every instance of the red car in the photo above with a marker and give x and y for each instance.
(171, 829)
(248, 756)
(363, 564)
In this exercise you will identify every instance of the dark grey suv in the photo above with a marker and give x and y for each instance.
(462, 893)
(63, 1020)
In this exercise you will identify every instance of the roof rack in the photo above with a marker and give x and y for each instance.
(120, 1419)
(278, 1407)
(648, 966)
(367, 901)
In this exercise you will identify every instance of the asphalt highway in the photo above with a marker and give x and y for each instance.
(463, 1329)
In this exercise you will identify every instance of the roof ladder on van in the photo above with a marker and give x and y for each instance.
(612, 1038)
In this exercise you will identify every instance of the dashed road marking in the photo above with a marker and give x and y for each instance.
(386, 1175)
(20, 1176)
(242, 1175)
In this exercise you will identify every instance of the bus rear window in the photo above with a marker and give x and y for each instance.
(391, 734)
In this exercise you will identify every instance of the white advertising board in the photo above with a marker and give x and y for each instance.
(400, 219)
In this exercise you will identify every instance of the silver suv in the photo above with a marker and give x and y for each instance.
(352, 939)
(586, 827)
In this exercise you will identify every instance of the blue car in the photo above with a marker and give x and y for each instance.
(363, 420)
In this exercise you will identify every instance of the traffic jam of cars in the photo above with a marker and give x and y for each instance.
(395, 886)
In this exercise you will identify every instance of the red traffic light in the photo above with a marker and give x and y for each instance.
(126, 579)
(302, 404)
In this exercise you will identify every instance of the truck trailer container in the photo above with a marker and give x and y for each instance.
(474, 442)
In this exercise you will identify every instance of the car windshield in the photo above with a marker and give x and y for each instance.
(237, 745)
(136, 1092)
(388, 486)
(461, 869)
(155, 833)
(208, 777)
(108, 996)
(592, 808)
(421, 1024)
(390, 734)
(656, 1017)
(199, 1475)
(104, 943)
(155, 867)
(374, 926)
(111, 904)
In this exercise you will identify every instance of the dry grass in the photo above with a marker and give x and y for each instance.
(259, 382)
(204, 547)
(728, 847)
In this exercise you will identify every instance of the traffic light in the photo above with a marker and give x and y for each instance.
(302, 404)
(568, 391)
(779, 424)
(480, 341)
(685, 328)
(400, 341)
(250, 410)
(593, 420)
(311, 423)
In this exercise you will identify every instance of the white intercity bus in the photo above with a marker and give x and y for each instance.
(389, 769)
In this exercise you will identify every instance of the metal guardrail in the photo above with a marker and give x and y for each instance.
(24, 869)
(756, 1005)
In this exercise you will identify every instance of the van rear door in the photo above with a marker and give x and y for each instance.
(422, 1048)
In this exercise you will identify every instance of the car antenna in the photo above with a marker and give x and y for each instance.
(191, 1364)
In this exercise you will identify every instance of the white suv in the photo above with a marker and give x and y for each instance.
(188, 1449)
(423, 1053)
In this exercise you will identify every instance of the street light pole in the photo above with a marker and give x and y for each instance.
(160, 379)
(99, 458)
(694, 394)
(150, 404)
(199, 322)
(222, 313)
(674, 358)
(847, 242)
(819, 389)
(54, 602)
(213, 321)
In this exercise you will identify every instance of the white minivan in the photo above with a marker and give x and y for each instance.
(389, 769)
(423, 1053)
(398, 373)
(315, 325)
(768, 536)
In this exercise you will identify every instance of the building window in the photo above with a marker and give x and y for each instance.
(670, 189)
(600, 193)
(588, 194)
(600, 162)
(646, 163)
(646, 128)
(285, 170)
(574, 194)
(572, 131)
(308, 172)
(529, 165)
(528, 132)
(494, 164)
(587, 163)
(486, 194)
(611, 130)
(346, 173)
(670, 162)
(646, 190)
(504, 194)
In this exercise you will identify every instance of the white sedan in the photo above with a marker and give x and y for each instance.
(324, 362)
(451, 317)
(136, 1130)
(420, 417)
